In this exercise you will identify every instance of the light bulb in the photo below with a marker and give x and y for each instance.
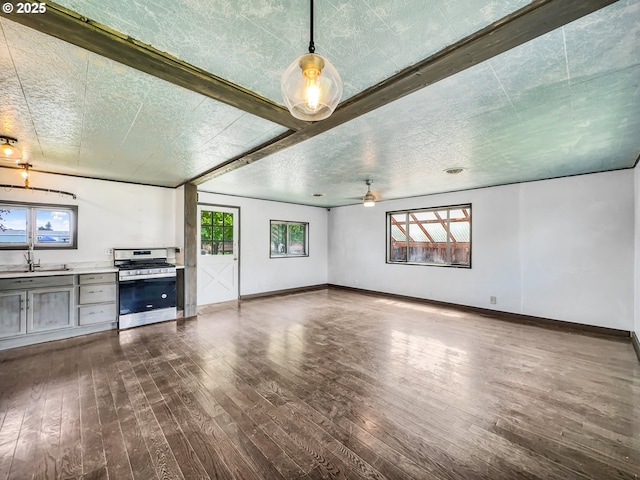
(312, 95)
(313, 92)
(7, 150)
(25, 174)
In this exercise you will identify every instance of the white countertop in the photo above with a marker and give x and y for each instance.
(48, 273)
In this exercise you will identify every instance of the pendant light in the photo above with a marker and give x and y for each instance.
(9, 148)
(25, 173)
(311, 87)
(369, 198)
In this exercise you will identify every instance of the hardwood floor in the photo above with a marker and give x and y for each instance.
(324, 384)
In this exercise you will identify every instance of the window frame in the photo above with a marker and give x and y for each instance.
(31, 226)
(288, 223)
(224, 227)
(388, 231)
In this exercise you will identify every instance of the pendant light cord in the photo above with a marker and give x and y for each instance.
(312, 47)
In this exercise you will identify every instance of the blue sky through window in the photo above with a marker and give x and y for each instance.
(15, 219)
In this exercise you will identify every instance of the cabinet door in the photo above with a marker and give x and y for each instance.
(13, 318)
(50, 309)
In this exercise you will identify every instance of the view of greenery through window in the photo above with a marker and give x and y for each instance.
(437, 236)
(216, 233)
(288, 239)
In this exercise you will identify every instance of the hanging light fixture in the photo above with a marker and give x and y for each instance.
(25, 173)
(9, 148)
(311, 87)
(369, 199)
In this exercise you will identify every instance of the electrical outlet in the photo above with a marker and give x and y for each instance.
(493, 300)
(108, 251)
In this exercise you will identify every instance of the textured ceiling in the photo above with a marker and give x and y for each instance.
(77, 113)
(251, 42)
(565, 103)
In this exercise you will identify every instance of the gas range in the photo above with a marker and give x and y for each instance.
(143, 263)
(146, 286)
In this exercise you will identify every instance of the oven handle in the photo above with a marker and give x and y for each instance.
(145, 277)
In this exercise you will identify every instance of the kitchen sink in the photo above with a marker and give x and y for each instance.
(37, 270)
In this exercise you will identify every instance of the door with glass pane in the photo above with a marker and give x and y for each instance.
(218, 259)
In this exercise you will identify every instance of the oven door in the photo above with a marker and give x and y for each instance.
(143, 295)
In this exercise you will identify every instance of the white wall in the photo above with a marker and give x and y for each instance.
(557, 249)
(258, 272)
(110, 215)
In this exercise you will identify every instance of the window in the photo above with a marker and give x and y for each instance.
(434, 236)
(44, 226)
(216, 233)
(289, 239)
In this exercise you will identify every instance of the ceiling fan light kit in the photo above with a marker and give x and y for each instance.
(369, 199)
(311, 86)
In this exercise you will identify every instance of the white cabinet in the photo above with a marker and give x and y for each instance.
(36, 304)
(50, 309)
(13, 314)
(97, 295)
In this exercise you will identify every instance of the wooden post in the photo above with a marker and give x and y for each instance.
(190, 250)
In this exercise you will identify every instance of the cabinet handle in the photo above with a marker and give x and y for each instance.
(25, 281)
(22, 304)
(94, 291)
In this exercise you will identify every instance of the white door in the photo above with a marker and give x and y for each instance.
(218, 260)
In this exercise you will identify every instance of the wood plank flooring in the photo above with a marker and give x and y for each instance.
(323, 384)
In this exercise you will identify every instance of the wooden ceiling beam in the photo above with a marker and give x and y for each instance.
(446, 228)
(424, 230)
(71, 27)
(533, 20)
(402, 229)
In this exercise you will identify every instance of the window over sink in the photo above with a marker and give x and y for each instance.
(43, 225)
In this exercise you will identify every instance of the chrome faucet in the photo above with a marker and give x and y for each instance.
(31, 259)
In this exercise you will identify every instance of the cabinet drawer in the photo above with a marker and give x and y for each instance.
(86, 278)
(28, 282)
(97, 314)
(97, 293)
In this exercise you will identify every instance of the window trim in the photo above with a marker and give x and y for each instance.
(235, 228)
(287, 223)
(32, 232)
(388, 215)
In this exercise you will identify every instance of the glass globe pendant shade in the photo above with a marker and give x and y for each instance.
(311, 87)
